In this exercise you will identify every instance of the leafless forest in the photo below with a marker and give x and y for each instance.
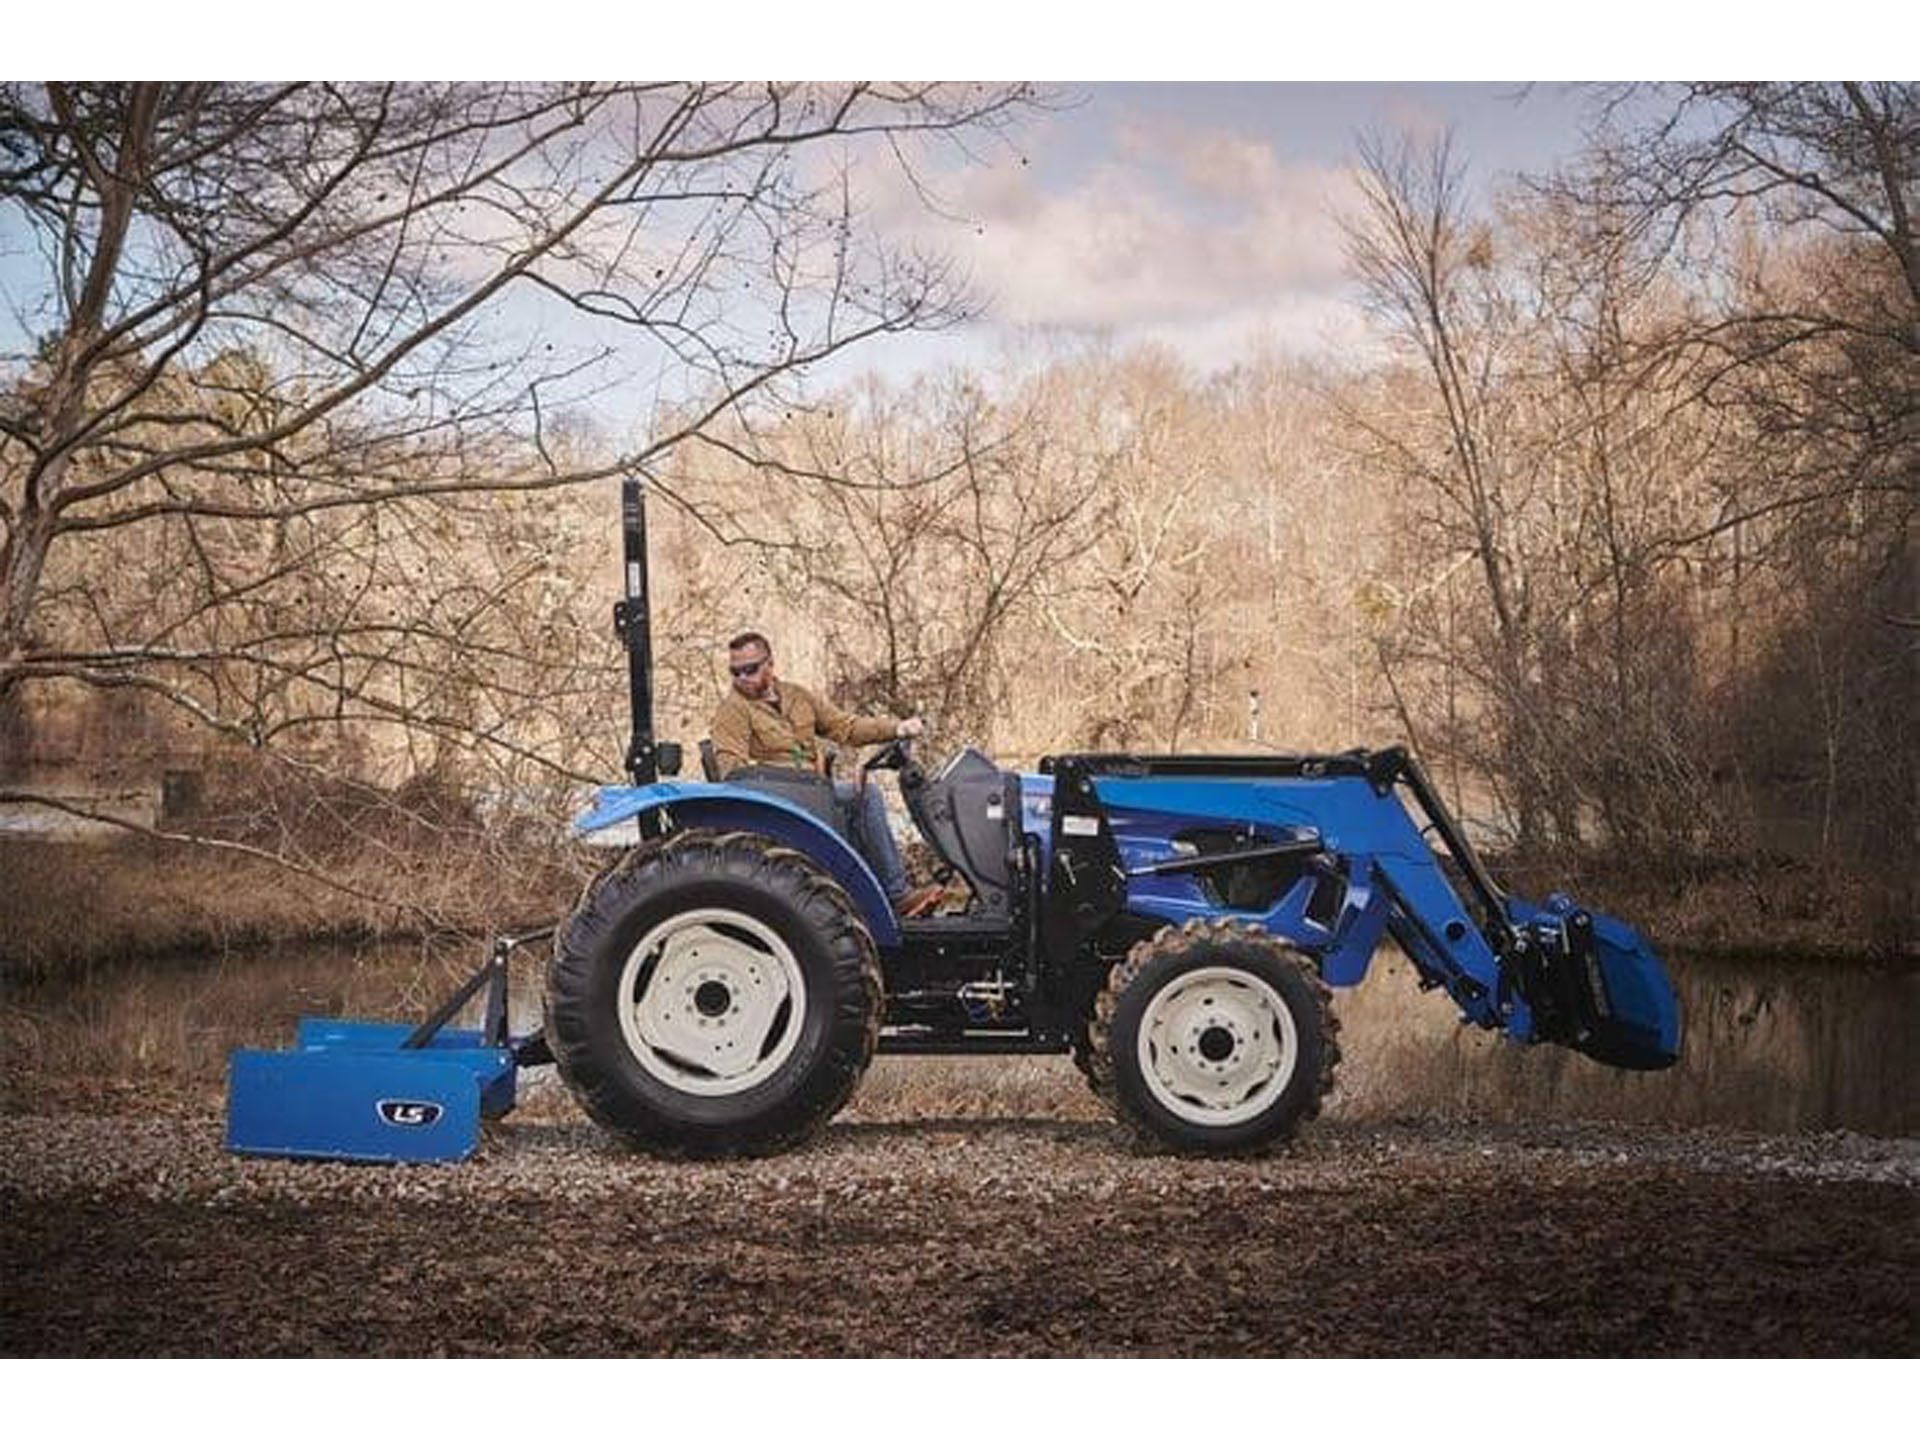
(303, 500)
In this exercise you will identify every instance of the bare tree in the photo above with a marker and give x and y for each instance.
(1138, 623)
(1802, 198)
(1547, 467)
(1817, 343)
(1428, 270)
(299, 356)
(907, 533)
(1107, 550)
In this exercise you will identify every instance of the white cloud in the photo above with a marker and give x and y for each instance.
(1186, 234)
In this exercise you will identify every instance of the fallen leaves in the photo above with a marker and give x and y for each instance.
(140, 1236)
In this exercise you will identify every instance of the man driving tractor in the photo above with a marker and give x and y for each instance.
(768, 721)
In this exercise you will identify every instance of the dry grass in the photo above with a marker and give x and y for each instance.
(130, 968)
(1770, 1046)
(929, 1089)
(164, 1030)
(68, 909)
(1777, 907)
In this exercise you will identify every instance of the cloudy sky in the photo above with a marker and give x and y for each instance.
(1202, 216)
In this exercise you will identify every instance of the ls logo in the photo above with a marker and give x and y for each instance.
(412, 1114)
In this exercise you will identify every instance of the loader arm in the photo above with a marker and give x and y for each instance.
(1550, 972)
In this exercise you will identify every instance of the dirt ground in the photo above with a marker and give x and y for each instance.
(135, 1234)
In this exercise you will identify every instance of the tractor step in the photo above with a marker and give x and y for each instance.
(969, 1042)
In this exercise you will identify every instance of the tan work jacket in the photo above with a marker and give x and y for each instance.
(782, 730)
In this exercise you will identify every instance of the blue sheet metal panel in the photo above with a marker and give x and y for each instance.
(353, 1104)
(614, 803)
(1364, 914)
(1036, 813)
(1445, 944)
(492, 1066)
(1395, 885)
(325, 1032)
(1179, 898)
(1349, 814)
(1345, 946)
(1637, 983)
(693, 804)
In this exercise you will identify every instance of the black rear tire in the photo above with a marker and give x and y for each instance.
(1239, 1046)
(746, 1051)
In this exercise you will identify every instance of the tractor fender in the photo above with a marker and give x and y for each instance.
(690, 805)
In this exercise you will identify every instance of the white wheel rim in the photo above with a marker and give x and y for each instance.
(711, 1002)
(1217, 1046)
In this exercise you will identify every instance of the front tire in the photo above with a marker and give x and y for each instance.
(1213, 1038)
(713, 995)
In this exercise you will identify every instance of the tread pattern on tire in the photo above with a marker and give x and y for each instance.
(596, 1079)
(1096, 1062)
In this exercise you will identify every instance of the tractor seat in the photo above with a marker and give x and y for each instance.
(808, 789)
(710, 763)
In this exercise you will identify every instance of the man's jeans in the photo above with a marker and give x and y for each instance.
(873, 835)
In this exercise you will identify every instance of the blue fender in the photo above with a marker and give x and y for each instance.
(690, 805)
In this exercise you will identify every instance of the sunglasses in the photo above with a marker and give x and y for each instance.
(744, 672)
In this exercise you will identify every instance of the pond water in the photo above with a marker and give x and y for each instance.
(1770, 1044)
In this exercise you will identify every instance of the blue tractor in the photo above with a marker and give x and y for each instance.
(1174, 922)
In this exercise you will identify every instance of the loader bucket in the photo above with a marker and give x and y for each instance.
(1598, 987)
(1637, 1020)
(353, 1090)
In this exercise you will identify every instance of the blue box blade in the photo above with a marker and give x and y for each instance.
(357, 1103)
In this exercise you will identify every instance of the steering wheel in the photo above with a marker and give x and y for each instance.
(896, 754)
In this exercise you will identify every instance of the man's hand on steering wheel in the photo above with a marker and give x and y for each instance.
(897, 753)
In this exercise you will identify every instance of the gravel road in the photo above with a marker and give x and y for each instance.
(135, 1234)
